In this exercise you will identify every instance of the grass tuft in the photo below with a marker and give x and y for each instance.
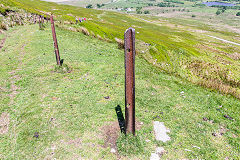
(64, 68)
(130, 145)
(120, 43)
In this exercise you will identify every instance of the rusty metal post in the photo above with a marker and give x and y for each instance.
(129, 42)
(40, 22)
(55, 41)
(42, 19)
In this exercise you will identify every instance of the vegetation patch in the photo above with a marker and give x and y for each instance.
(128, 145)
(59, 115)
(64, 68)
(158, 32)
(69, 114)
(4, 123)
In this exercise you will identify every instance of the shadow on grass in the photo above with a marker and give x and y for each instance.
(61, 62)
(121, 120)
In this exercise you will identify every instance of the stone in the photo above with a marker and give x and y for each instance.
(205, 118)
(160, 150)
(154, 156)
(4, 123)
(107, 97)
(188, 150)
(113, 150)
(196, 147)
(161, 131)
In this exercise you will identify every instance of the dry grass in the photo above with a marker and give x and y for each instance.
(3, 26)
(235, 56)
(120, 43)
(85, 31)
(4, 123)
(215, 77)
(99, 37)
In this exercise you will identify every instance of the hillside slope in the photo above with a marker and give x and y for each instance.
(177, 46)
(70, 116)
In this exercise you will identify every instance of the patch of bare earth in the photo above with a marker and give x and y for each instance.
(15, 77)
(75, 142)
(13, 88)
(2, 42)
(4, 123)
(231, 28)
(110, 134)
(172, 14)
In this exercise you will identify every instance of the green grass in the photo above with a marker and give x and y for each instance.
(85, 3)
(69, 111)
(177, 41)
(130, 145)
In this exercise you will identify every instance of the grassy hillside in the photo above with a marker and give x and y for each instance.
(50, 113)
(177, 46)
(184, 9)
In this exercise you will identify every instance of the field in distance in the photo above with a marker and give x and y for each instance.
(186, 9)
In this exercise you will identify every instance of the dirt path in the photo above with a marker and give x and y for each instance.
(4, 123)
(224, 40)
(4, 117)
(14, 90)
(2, 42)
(15, 77)
(146, 20)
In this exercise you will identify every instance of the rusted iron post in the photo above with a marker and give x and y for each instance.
(42, 19)
(55, 41)
(40, 22)
(129, 43)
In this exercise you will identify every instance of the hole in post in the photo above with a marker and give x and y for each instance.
(128, 49)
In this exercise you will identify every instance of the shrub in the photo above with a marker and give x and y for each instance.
(218, 12)
(100, 5)
(174, 1)
(193, 15)
(146, 12)
(238, 14)
(138, 9)
(89, 6)
(139, 12)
